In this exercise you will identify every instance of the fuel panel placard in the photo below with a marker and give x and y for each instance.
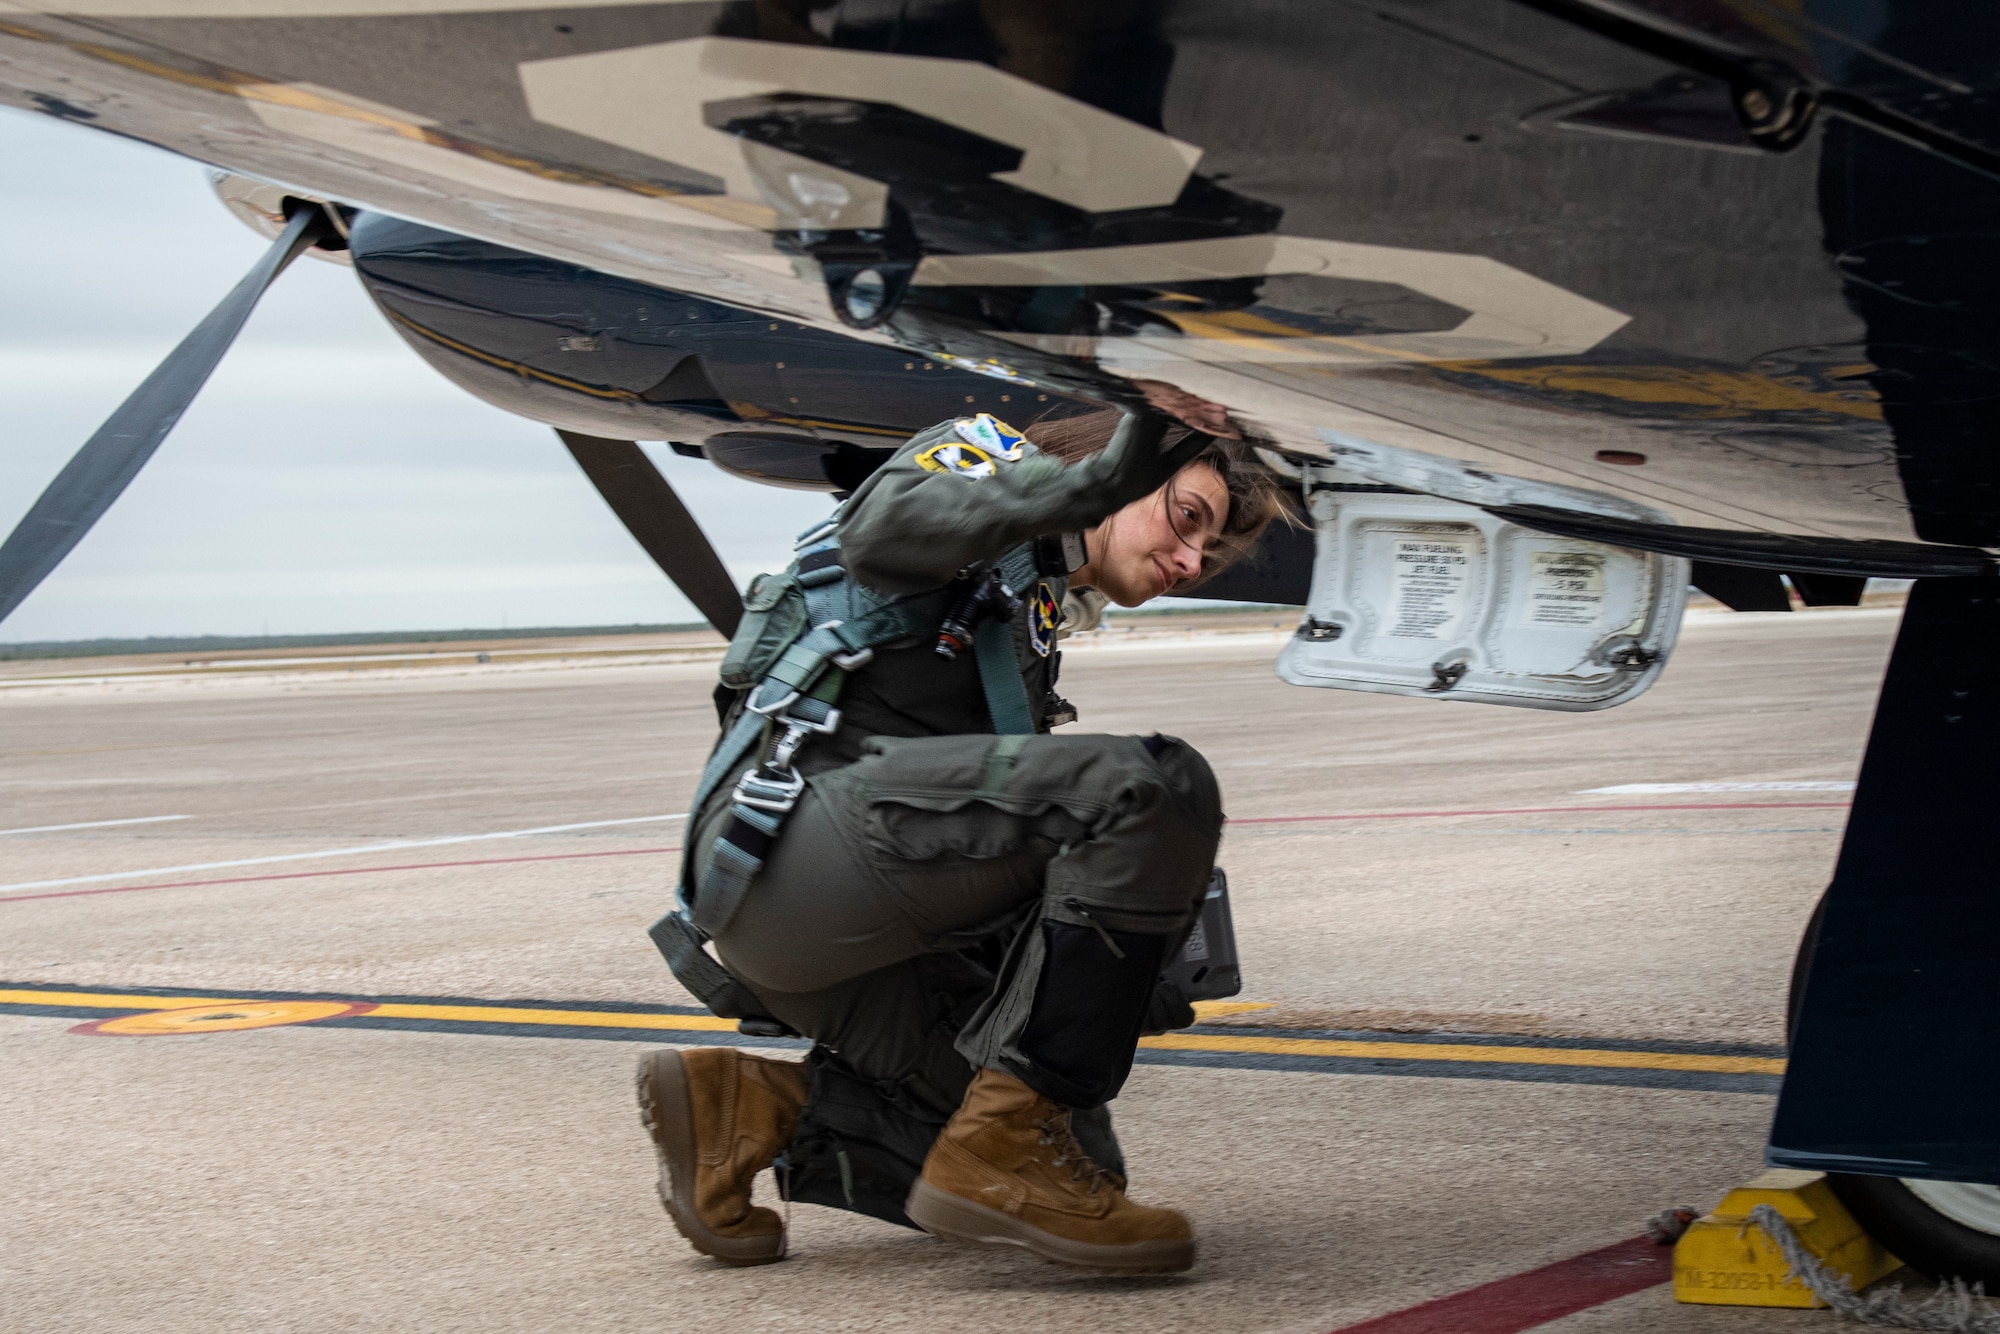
(1414, 595)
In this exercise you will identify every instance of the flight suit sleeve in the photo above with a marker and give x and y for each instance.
(922, 518)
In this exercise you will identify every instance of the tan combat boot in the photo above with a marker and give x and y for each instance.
(717, 1117)
(1006, 1171)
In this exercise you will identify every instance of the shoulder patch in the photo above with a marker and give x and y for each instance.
(1044, 616)
(966, 460)
(991, 434)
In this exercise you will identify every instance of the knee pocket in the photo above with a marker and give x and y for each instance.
(911, 829)
(1185, 775)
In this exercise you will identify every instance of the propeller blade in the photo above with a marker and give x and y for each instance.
(645, 503)
(110, 459)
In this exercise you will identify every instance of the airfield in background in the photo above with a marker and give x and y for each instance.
(1543, 958)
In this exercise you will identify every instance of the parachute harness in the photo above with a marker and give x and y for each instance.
(795, 700)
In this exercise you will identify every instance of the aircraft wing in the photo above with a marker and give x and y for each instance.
(1541, 241)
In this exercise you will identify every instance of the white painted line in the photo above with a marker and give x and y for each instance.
(342, 852)
(1635, 788)
(92, 824)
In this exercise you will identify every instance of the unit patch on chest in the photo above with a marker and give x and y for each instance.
(1044, 615)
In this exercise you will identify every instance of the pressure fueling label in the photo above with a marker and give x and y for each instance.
(1565, 589)
(1429, 584)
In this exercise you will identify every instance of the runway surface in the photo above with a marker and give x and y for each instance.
(1503, 1015)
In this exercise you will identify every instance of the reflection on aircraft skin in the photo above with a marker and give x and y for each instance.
(1692, 393)
(1434, 155)
(773, 400)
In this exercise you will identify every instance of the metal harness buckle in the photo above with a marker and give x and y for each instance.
(774, 785)
(847, 662)
(824, 528)
(769, 794)
(796, 732)
(772, 708)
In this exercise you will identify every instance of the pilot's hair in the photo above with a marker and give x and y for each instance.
(1256, 495)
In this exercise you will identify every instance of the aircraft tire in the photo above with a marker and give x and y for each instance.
(1921, 1234)
(1960, 1239)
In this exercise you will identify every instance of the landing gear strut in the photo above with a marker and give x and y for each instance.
(1894, 997)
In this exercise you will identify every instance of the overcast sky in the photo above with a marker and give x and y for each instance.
(326, 479)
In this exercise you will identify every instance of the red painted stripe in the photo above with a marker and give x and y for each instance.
(352, 870)
(644, 852)
(1555, 810)
(1509, 1305)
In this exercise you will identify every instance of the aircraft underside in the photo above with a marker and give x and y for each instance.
(1399, 225)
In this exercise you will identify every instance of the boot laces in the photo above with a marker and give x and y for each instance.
(1057, 1133)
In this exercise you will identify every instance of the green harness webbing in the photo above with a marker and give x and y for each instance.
(795, 699)
(993, 649)
(1000, 677)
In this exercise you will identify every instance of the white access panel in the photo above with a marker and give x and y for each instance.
(1413, 595)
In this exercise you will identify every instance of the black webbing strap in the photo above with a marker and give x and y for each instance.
(680, 943)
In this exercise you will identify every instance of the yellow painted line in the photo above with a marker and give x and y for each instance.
(185, 1019)
(501, 1014)
(1451, 1051)
(1202, 1042)
(100, 1000)
(478, 1014)
(1207, 1010)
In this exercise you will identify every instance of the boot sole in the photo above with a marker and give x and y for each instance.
(668, 1115)
(945, 1215)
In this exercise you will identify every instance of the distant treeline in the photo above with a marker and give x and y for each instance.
(1194, 607)
(105, 648)
(95, 648)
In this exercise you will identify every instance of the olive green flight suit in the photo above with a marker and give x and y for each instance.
(943, 898)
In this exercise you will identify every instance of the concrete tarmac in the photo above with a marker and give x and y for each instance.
(1400, 868)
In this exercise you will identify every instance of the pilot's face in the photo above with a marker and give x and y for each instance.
(1157, 541)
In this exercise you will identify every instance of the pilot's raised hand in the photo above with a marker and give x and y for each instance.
(1134, 464)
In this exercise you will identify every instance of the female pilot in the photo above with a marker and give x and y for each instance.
(888, 808)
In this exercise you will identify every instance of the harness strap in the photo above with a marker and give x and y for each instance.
(735, 746)
(1019, 567)
(999, 764)
(799, 666)
(1000, 677)
(795, 699)
(826, 587)
(993, 649)
(680, 943)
